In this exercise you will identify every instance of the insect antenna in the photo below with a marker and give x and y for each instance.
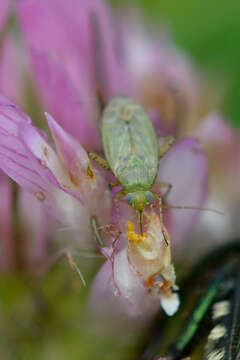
(183, 207)
(192, 208)
(59, 255)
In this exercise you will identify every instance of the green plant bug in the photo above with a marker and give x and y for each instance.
(132, 153)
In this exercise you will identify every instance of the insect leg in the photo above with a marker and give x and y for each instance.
(114, 183)
(165, 184)
(99, 160)
(120, 194)
(73, 265)
(163, 149)
(96, 231)
(161, 216)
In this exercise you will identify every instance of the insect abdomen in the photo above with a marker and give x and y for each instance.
(128, 134)
(136, 175)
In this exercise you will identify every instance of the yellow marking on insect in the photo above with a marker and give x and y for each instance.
(132, 235)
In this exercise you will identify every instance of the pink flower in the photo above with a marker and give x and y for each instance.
(36, 229)
(63, 180)
(72, 51)
(167, 81)
(222, 147)
(72, 189)
(73, 54)
(182, 103)
(24, 245)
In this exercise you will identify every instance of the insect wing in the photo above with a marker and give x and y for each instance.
(128, 137)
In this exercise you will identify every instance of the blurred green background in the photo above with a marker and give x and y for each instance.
(208, 30)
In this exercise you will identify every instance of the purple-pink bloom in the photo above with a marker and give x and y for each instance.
(222, 146)
(36, 229)
(74, 53)
(183, 104)
(63, 187)
(71, 188)
(25, 245)
(167, 82)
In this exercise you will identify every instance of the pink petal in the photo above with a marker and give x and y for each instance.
(62, 99)
(65, 199)
(10, 117)
(39, 148)
(222, 145)
(167, 82)
(102, 288)
(69, 149)
(185, 167)
(215, 129)
(119, 291)
(36, 228)
(14, 67)
(110, 308)
(15, 160)
(151, 53)
(87, 181)
(108, 53)
(54, 25)
(60, 30)
(131, 286)
(22, 151)
(81, 35)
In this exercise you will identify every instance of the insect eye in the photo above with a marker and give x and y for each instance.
(149, 196)
(129, 198)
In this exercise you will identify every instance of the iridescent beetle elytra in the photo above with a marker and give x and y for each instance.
(132, 152)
